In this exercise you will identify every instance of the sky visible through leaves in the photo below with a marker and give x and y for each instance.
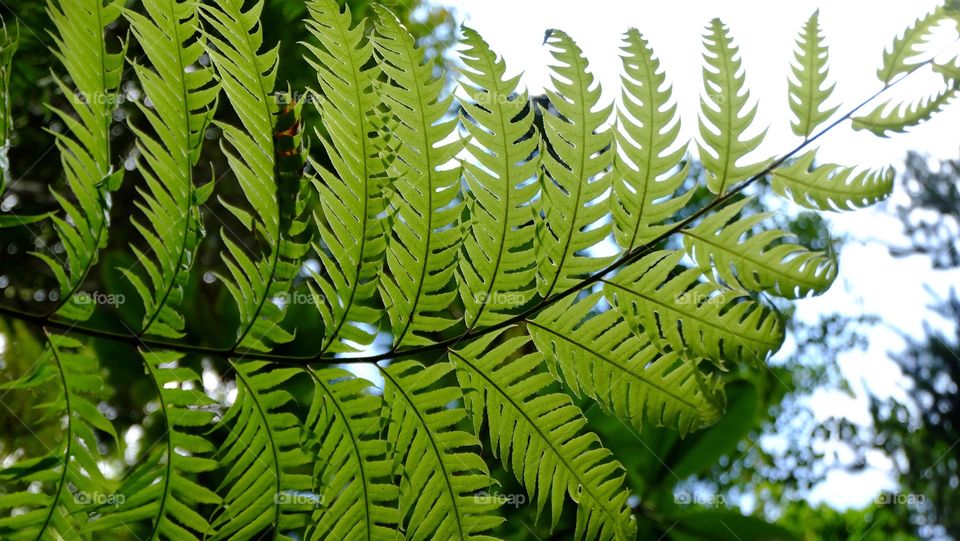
(765, 31)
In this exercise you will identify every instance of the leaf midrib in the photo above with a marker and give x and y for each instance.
(433, 445)
(69, 437)
(735, 330)
(274, 250)
(430, 173)
(725, 55)
(638, 377)
(274, 451)
(579, 169)
(782, 272)
(811, 70)
(104, 216)
(171, 452)
(365, 220)
(651, 135)
(507, 178)
(354, 443)
(583, 483)
(188, 215)
(868, 181)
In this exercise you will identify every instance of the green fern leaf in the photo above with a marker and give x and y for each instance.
(950, 70)
(413, 216)
(577, 158)
(497, 262)
(809, 90)
(830, 186)
(259, 452)
(725, 113)
(541, 437)
(247, 78)
(599, 355)
(893, 117)
(757, 262)
(351, 195)
(647, 167)
(80, 45)
(901, 56)
(441, 472)
(9, 41)
(70, 474)
(182, 97)
(17, 220)
(163, 489)
(422, 250)
(679, 313)
(358, 499)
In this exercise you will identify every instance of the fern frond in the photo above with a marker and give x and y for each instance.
(725, 114)
(247, 78)
(351, 223)
(515, 220)
(950, 70)
(599, 355)
(830, 186)
(353, 472)
(422, 249)
(9, 41)
(540, 436)
(182, 94)
(163, 489)
(648, 171)
(497, 266)
(441, 473)
(902, 54)
(577, 157)
(893, 117)
(763, 261)
(259, 453)
(681, 314)
(80, 45)
(70, 473)
(809, 89)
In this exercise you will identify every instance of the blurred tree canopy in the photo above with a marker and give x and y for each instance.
(923, 435)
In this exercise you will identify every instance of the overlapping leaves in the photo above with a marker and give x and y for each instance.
(470, 252)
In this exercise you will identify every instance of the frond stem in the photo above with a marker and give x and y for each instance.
(68, 437)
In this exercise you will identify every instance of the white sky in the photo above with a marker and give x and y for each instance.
(870, 281)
